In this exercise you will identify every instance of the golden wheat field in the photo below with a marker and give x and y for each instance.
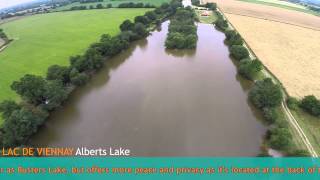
(268, 12)
(290, 52)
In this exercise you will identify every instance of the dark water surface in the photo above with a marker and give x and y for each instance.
(162, 103)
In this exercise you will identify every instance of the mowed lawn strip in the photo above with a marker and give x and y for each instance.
(44, 40)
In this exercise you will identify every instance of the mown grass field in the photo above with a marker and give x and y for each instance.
(47, 39)
(115, 3)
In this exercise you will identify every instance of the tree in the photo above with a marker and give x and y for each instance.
(21, 125)
(127, 25)
(265, 94)
(31, 88)
(109, 5)
(55, 94)
(175, 40)
(270, 115)
(311, 104)
(7, 107)
(77, 78)
(56, 72)
(239, 52)
(233, 38)
(151, 15)
(141, 19)
(250, 68)
(99, 6)
(140, 29)
(280, 138)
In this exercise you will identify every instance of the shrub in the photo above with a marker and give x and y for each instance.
(77, 78)
(265, 94)
(293, 103)
(250, 68)
(280, 138)
(56, 72)
(298, 153)
(233, 38)
(239, 52)
(270, 115)
(311, 105)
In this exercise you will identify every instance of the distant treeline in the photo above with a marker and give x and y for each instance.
(182, 30)
(123, 5)
(89, 1)
(212, 6)
(42, 95)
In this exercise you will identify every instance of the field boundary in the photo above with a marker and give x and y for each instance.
(292, 24)
(290, 118)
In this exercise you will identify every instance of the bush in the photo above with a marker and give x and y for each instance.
(233, 38)
(250, 68)
(280, 138)
(56, 72)
(77, 78)
(265, 94)
(239, 52)
(270, 115)
(311, 105)
(293, 103)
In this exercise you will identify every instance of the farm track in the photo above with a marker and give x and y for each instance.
(290, 118)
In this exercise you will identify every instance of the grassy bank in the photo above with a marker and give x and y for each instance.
(43, 40)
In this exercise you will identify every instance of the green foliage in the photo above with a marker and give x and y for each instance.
(7, 107)
(55, 95)
(77, 78)
(3, 35)
(182, 30)
(250, 68)
(142, 19)
(151, 15)
(56, 72)
(21, 124)
(127, 25)
(31, 88)
(311, 105)
(265, 94)
(293, 103)
(280, 138)
(221, 23)
(239, 52)
(233, 38)
(270, 115)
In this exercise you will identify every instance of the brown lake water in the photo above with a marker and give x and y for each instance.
(162, 103)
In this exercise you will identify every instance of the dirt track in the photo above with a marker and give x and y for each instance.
(268, 12)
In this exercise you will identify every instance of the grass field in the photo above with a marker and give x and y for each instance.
(44, 40)
(283, 4)
(114, 3)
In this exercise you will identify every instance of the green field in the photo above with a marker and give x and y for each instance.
(283, 4)
(207, 19)
(114, 3)
(47, 39)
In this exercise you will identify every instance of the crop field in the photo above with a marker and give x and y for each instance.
(268, 13)
(290, 52)
(114, 3)
(47, 39)
(283, 4)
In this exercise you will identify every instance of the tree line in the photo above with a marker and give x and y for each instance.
(3, 35)
(122, 5)
(42, 95)
(182, 30)
(265, 94)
